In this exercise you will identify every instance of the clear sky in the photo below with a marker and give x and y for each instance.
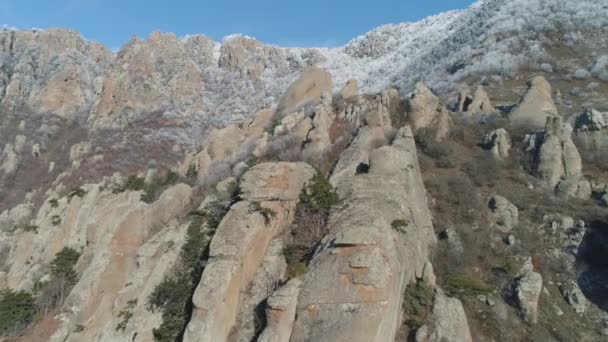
(287, 23)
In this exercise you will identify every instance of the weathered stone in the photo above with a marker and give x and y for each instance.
(555, 157)
(425, 110)
(377, 110)
(505, 213)
(240, 244)
(126, 252)
(479, 103)
(498, 142)
(364, 254)
(350, 90)
(448, 322)
(574, 296)
(281, 313)
(305, 90)
(535, 105)
(527, 292)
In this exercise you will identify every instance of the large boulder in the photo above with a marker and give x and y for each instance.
(307, 89)
(591, 133)
(240, 247)
(554, 157)
(527, 288)
(370, 260)
(424, 110)
(504, 213)
(377, 110)
(535, 105)
(574, 296)
(448, 322)
(498, 142)
(478, 103)
(350, 90)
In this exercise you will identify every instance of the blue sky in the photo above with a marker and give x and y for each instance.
(286, 23)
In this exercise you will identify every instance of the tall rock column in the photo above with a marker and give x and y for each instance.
(556, 160)
(353, 290)
(240, 245)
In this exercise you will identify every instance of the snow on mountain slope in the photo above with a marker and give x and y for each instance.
(492, 37)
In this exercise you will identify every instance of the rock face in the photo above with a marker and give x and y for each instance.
(574, 296)
(555, 158)
(498, 142)
(505, 213)
(11, 156)
(425, 110)
(368, 259)
(590, 130)
(478, 103)
(240, 244)
(307, 89)
(125, 252)
(448, 322)
(376, 110)
(350, 90)
(535, 105)
(281, 313)
(51, 71)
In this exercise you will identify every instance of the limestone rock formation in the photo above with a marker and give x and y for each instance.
(12, 155)
(528, 287)
(281, 313)
(556, 159)
(574, 296)
(498, 142)
(125, 250)
(368, 259)
(591, 120)
(535, 105)
(16, 218)
(478, 103)
(424, 109)
(350, 90)
(307, 89)
(590, 128)
(505, 213)
(240, 244)
(377, 110)
(51, 71)
(448, 322)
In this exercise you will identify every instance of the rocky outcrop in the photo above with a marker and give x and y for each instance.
(350, 90)
(371, 261)
(51, 71)
(574, 296)
(281, 312)
(556, 160)
(478, 103)
(149, 75)
(498, 142)
(527, 288)
(448, 322)
(424, 110)
(535, 105)
(591, 133)
(307, 89)
(504, 213)
(240, 244)
(11, 156)
(16, 218)
(377, 110)
(126, 245)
